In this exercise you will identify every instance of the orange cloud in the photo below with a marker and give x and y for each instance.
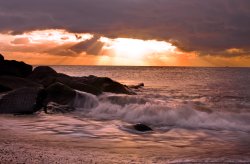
(59, 47)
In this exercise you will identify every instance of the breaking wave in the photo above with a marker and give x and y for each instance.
(158, 113)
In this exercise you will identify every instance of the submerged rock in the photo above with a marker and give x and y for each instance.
(14, 68)
(138, 86)
(54, 108)
(142, 127)
(19, 101)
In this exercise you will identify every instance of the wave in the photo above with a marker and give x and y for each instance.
(158, 113)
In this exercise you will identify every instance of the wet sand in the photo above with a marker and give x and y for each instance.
(27, 148)
(22, 146)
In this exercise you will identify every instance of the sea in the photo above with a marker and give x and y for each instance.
(197, 114)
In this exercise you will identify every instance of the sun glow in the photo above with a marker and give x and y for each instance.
(134, 51)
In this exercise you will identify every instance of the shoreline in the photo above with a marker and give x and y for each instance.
(17, 145)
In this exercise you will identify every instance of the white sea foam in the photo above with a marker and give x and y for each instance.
(85, 100)
(157, 113)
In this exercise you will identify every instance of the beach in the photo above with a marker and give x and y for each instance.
(193, 119)
(124, 81)
(20, 144)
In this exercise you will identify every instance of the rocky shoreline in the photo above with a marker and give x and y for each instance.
(26, 90)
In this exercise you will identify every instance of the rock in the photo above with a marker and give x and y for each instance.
(54, 108)
(142, 128)
(8, 83)
(60, 94)
(47, 76)
(42, 72)
(4, 89)
(78, 85)
(40, 100)
(1, 58)
(106, 84)
(14, 68)
(19, 101)
(138, 86)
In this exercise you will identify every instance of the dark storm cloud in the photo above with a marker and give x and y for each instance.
(193, 25)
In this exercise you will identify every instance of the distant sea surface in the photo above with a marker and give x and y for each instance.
(198, 114)
(218, 89)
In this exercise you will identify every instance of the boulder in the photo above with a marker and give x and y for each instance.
(41, 73)
(47, 76)
(14, 68)
(60, 94)
(8, 83)
(79, 85)
(19, 101)
(1, 58)
(106, 84)
(4, 89)
(142, 127)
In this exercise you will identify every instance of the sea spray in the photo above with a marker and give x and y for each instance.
(85, 100)
(159, 114)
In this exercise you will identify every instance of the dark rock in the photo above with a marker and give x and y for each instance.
(60, 94)
(78, 85)
(11, 83)
(40, 100)
(106, 84)
(54, 108)
(19, 101)
(4, 88)
(47, 76)
(1, 58)
(42, 72)
(14, 68)
(138, 86)
(142, 128)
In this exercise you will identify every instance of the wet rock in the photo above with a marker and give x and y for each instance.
(40, 100)
(60, 94)
(106, 84)
(138, 86)
(142, 127)
(14, 68)
(8, 83)
(79, 85)
(53, 108)
(19, 101)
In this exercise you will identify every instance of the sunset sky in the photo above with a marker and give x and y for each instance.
(126, 32)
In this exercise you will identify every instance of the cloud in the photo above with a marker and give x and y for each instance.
(203, 26)
(92, 46)
(52, 42)
(21, 41)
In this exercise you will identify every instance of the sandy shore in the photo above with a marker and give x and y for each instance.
(18, 145)
(20, 148)
(27, 148)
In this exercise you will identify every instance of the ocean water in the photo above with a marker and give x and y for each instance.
(198, 114)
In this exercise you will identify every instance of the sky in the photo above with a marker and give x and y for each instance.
(126, 32)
